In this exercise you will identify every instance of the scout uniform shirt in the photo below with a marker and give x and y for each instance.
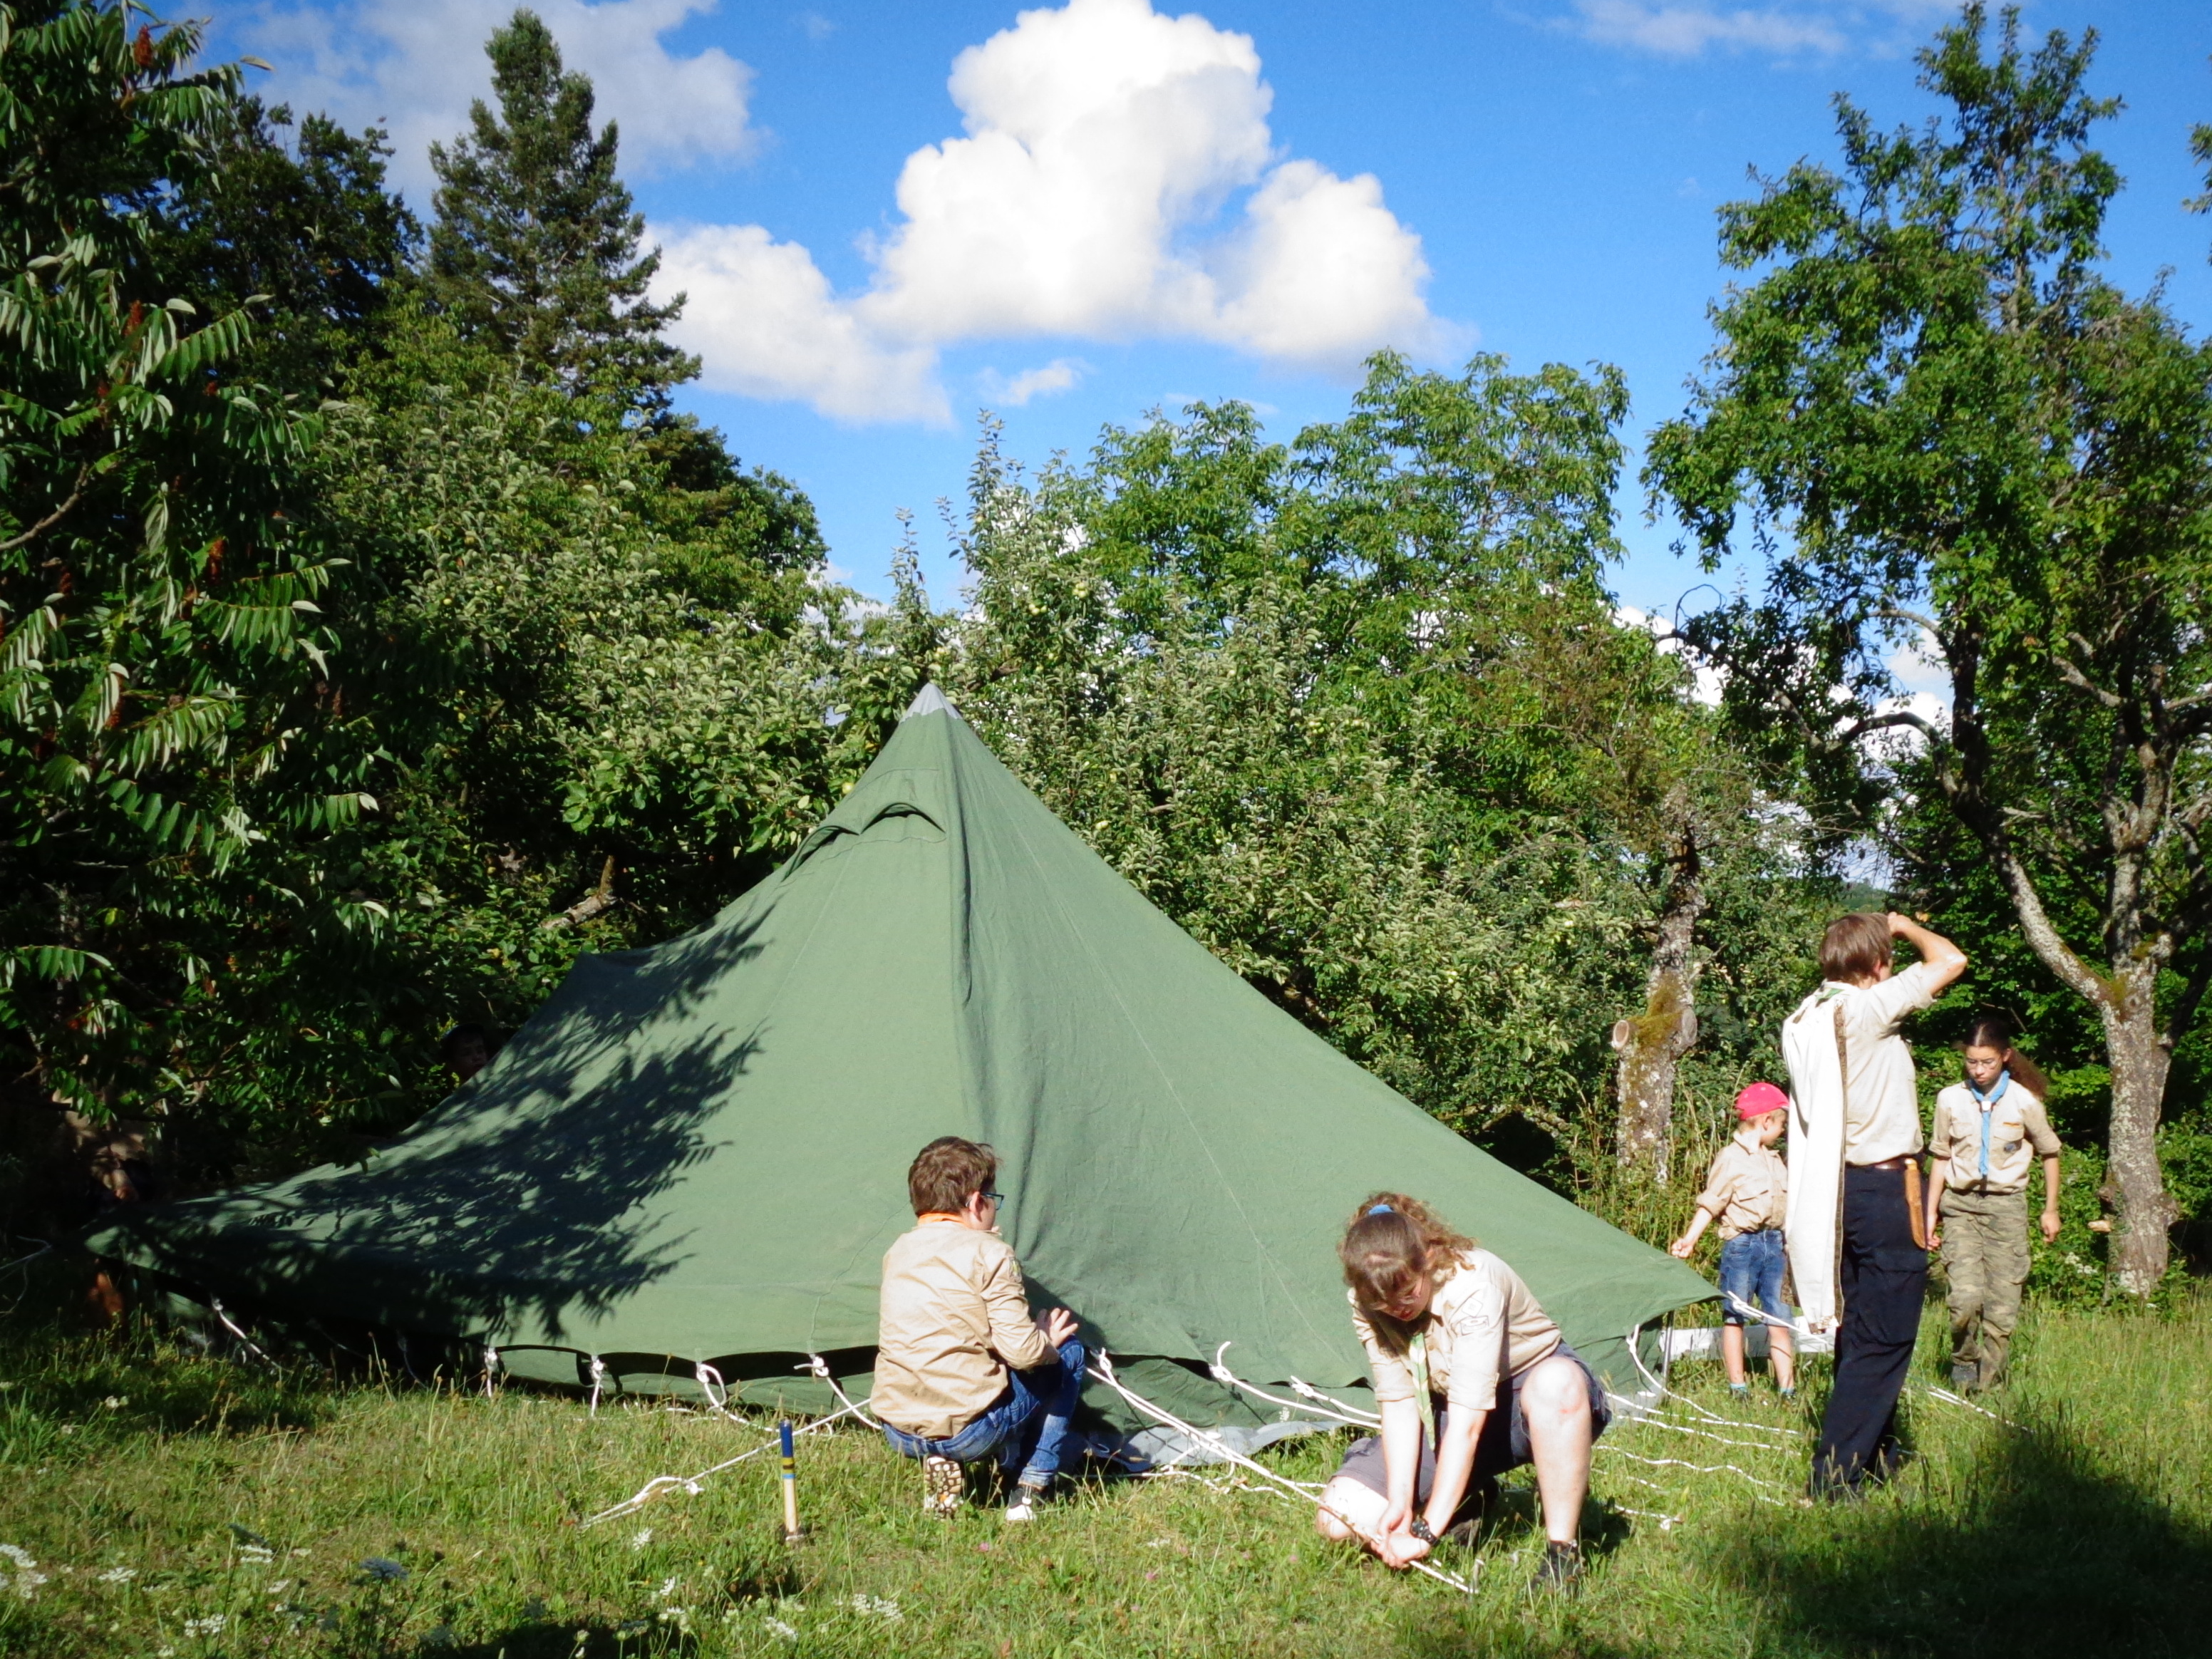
(1854, 1099)
(1748, 1189)
(1990, 1150)
(953, 1318)
(1481, 1324)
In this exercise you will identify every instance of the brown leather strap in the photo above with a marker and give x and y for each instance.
(1912, 1203)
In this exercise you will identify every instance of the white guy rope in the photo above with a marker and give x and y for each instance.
(1950, 1398)
(1102, 1368)
(1649, 1420)
(1666, 1522)
(1759, 1314)
(820, 1367)
(661, 1483)
(216, 1303)
(1700, 1468)
(491, 1365)
(1660, 1389)
(1305, 1390)
(1223, 1374)
(599, 1382)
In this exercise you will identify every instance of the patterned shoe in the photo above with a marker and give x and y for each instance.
(943, 1486)
(1023, 1508)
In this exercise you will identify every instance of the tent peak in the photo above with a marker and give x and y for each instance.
(930, 701)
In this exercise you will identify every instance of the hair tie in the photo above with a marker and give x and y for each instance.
(1381, 1209)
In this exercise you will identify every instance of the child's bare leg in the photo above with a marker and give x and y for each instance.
(1782, 1353)
(1348, 1508)
(1732, 1354)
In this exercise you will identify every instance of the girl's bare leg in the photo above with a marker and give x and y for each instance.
(1555, 1405)
(1732, 1353)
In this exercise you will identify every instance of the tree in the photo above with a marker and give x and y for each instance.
(162, 759)
(1948, 432)
(535, 246)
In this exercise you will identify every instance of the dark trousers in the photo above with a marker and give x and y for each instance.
(1883, 1279)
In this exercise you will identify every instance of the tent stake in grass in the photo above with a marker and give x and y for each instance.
(791, 1532)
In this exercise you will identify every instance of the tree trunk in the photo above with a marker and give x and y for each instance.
(2139, 1058)
(1652, 1043)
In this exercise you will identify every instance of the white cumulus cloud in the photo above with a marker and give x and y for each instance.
(413, 66)
(1061, 374)
(1103, 144)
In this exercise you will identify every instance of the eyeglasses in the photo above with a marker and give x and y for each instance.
(995, 1198)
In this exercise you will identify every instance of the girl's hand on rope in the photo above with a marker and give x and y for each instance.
(1399, 1549)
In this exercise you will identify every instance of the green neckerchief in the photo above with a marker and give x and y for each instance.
(1417, 1355)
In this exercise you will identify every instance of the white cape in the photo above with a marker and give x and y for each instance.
(1813, 1230)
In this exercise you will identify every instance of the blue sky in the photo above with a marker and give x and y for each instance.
(889, 216)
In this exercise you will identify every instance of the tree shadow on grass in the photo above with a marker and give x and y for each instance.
(2037, 1550)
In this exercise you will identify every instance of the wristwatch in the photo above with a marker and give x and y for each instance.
(1420, 1528)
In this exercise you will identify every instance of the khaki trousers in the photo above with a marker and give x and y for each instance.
(1985, 1258)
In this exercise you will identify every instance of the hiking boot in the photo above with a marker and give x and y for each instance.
(942, 1487)
(1023, 1508)
(1561, 1568)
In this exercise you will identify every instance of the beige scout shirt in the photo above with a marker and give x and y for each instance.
(953, 1318)
(1881, 1105)
(1747, 1189)
(2019, 1133)
(1482, 1324)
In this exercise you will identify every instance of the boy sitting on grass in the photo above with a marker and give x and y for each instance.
(962, 1371)
(1747, 1192)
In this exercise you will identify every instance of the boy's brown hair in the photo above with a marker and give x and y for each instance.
(1854, 946)
(1393, 1243)
(946, 1171)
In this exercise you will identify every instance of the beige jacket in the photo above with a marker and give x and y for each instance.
(1747, 1189)
(953, 1318)
(2019, 1133)
(1482, 1324)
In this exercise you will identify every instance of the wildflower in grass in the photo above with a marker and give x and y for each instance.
(26, 1577)
(255, 1555)
(381, 1570)
(640, 1538)
(211, 1626)
(118, 1575)
(667, 1588)
(776, 1626)
(280, 1587)
(887, 1611)
(679, 1617)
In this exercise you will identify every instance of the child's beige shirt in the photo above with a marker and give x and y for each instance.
(2019, 1133)
(1482, 1324)
(1747, 1189)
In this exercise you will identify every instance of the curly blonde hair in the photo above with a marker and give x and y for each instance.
(1394, 1246)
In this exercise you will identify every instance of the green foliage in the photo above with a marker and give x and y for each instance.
(1356, 711)
(535, 246)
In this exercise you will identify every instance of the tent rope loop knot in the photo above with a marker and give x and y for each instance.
(599, 1382)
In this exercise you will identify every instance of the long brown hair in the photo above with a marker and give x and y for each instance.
(1393, 1244)
(1996, 1031)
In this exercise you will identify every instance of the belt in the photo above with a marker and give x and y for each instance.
(1911, 1161)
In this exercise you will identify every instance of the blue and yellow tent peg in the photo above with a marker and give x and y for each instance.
(791, 1532)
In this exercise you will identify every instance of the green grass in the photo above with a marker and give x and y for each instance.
(2078, 1527)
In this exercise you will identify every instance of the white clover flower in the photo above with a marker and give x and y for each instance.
(887, 1611)
(640, 1538)
(778, 1627)
(209, 1626)
(667, 1588)
(115, 1402)
(118, 1575)
(26, 1579)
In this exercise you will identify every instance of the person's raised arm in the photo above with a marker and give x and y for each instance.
(1944, 961)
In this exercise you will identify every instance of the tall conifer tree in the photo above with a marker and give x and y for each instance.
(536, 243)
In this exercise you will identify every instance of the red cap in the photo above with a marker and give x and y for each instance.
(1758, 1100)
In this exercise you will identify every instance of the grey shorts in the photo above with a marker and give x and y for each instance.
(1502, 1445)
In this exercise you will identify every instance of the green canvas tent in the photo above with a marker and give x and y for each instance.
(697, 1153)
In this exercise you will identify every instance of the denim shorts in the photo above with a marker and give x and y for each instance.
(1752, 1269)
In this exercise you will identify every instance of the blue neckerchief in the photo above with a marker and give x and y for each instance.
(1985, 1102)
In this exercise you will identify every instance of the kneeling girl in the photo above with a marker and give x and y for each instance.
(1472, 1378)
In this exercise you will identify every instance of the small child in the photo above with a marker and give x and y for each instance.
(1985, 1129)
(963, 1372)
(1747, 1192)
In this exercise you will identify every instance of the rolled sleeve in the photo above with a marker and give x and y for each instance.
(1884, 1006)
(2037, 1122)
(1392, 1378)
(1478, 1347)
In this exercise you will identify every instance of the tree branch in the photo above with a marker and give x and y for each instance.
(75, 494)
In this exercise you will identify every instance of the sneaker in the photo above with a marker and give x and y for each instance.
(1025, 1505)
(1741, 1390)
(943, 1486)
(1965, 1379)
(1787, 1394)
(1561, 1568)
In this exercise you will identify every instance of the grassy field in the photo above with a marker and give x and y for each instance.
(169, 1504)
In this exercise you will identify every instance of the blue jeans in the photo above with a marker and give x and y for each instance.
(1023, 1430)
(1752, 1266)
